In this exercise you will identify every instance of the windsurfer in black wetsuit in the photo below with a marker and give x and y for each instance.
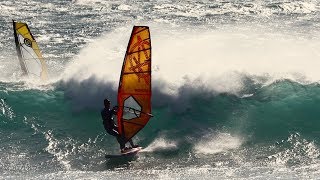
(111, 127)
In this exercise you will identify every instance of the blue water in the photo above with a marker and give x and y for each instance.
(235, 90)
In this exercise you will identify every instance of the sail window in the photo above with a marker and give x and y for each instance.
(131, 108)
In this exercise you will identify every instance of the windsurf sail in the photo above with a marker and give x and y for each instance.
(29, 55)
(134, 92)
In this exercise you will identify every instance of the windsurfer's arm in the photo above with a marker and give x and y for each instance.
(115, 110)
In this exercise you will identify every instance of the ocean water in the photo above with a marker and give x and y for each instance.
(236, 91)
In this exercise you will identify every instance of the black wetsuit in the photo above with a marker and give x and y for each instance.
(110, 126)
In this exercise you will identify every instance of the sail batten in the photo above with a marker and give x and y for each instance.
(134, 92)
(136, 72)
(29, 55)
(139, 51)
(136, 32)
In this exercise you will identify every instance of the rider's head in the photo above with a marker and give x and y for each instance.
(106, 103)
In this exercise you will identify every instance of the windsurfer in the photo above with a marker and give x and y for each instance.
(111, 127)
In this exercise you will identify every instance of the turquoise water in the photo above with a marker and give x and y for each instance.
(43, 131)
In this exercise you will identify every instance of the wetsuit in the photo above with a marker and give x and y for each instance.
(110, 126)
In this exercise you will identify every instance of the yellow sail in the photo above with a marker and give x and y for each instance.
(30, 58)
(134, 92)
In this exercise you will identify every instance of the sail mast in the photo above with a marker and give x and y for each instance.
(22, 64)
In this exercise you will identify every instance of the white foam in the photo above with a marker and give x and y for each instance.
(218, 143)
(219, 58)
(161, 144)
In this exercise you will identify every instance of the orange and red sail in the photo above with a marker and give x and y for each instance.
(134, 92)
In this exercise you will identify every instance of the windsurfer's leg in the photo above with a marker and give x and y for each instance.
(112, 132)
(132, 144)
(120, 141)
(115, 133)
